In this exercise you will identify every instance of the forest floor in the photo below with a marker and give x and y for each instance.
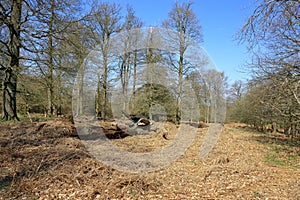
(47, 160)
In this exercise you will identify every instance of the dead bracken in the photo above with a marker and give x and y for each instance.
(47, 160)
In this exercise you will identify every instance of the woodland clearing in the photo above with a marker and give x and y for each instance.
(47, 160)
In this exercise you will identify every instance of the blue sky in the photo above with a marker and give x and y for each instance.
(220, 21)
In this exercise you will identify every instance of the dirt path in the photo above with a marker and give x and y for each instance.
(48, 161)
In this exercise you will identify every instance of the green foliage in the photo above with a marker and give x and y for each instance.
(149, 95)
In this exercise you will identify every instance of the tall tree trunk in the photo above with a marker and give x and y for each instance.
(123, 78)
(105, 98)
(50, 109)
(78, 101)
(134, 72)
(79, 95)
(104, 103)
(180, 77)
(9, 92)
(124, 75)
(10, 79)
(58, 106)
(98, 99)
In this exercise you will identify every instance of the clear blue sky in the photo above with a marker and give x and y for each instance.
(220, 21)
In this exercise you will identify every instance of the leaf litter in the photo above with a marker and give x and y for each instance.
(47, 160)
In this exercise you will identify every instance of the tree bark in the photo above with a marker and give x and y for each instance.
(10, 79)
(50, 110)
(9, 92)
(180, 75)
(105, 77)
(134, 72)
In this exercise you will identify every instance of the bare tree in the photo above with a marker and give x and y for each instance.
(104, 22)
(46, 29)
(71, 53)
(128, 61)
(216, 83)
(237, 90)
(273, 34)
(182, 19)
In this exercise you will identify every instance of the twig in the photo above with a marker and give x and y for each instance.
(29, 116)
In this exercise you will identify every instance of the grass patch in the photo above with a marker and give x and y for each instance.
(272, 158)
(292, 158)
(282, 159)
